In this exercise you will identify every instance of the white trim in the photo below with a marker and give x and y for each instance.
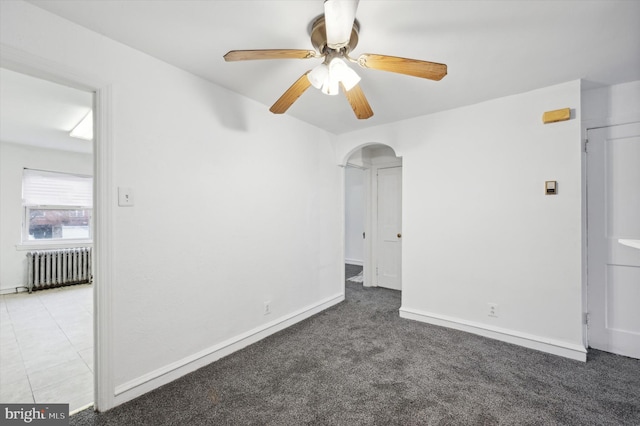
(54, 244)
(594, 123)
(367, 266)
(14, 290)
(387, 164)
(21, 61)
(154, 379)
(343, 225)
(568, 350)
(355, 166)
(36, 66)
(372, 202)
(354, 262)
(77, 410)
(103, 250)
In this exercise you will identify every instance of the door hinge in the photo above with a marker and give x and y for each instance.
(377, 270)
(586, 319)
(586, 143)
(363, 235)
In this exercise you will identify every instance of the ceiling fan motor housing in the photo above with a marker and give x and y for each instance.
(319, 36)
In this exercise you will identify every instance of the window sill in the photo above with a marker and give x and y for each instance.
(44, 245)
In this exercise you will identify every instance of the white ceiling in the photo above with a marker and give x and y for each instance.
(41, 113)
(492, 48)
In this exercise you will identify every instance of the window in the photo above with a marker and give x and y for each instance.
(57, 206)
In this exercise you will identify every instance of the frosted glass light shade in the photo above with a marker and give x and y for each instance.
(340, 71)
(350, 79)
(331, 87)
(318, 76)
(327, 78)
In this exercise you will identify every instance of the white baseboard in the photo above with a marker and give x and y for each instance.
(154, 379)
(13, 290)
(552, 346)
(354, 262)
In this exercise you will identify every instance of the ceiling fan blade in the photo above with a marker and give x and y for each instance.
(358, 102)
(339, 16)
(247, 55)
(291, 95)
(414, 67)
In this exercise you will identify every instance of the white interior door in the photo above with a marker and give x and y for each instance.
(613, 217)
(389, 228)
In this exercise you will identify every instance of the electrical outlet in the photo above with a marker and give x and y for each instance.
(493, 309)
(267, 308)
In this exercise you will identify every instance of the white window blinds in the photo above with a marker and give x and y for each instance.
(41, 188)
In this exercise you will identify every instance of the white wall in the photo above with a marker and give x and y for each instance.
(610, 105)
(264, 202)
(477, 227)
(354, 215)
(13, 159)
(380, 155)
(260, 194)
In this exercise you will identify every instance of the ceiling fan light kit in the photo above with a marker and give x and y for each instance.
(334, 35)
(330, 74)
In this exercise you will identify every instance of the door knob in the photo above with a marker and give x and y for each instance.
(399, 235)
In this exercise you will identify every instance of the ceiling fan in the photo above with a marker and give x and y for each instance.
(334, 35)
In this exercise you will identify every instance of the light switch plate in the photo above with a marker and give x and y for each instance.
(125, 197)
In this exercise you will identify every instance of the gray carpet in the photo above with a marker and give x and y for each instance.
(358, 363)
(351, 270)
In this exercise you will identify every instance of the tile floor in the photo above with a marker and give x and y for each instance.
(46, 346)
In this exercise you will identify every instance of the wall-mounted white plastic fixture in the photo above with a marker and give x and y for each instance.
(493, 309)
(551, 187)
(125, 197)
(267, 308)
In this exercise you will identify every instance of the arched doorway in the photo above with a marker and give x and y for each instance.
(373, 216)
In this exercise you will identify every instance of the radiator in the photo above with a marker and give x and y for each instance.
(55, 268)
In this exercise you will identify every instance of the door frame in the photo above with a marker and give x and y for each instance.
(370, 279)
(20, 61)
(585, 183)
